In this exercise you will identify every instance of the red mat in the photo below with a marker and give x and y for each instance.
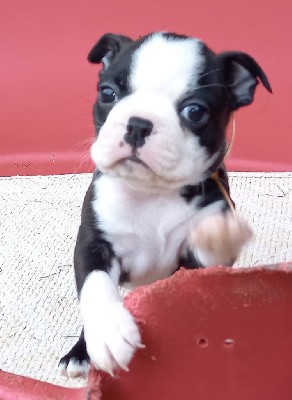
(214, 334)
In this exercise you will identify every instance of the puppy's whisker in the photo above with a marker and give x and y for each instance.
(210, 85)
(217, 85)
(84, 114)
(210, 72)
(85, 143)
(84, 159)
(83, 98)
(86, 126)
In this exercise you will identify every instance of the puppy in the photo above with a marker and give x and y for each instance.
(164, 102)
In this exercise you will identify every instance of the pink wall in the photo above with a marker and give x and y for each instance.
(47, 86)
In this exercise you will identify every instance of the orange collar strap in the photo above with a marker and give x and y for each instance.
(215, 175)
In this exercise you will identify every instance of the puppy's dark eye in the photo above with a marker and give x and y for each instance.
(107, 95)
(196, 113)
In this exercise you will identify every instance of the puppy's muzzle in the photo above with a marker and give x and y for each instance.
(137, 130)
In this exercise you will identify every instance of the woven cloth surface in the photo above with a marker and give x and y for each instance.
(39, 218)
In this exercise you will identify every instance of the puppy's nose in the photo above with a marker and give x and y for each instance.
(137, 130)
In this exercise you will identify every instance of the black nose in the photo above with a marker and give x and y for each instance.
(137, 130)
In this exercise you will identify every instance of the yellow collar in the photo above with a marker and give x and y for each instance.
(215, 175)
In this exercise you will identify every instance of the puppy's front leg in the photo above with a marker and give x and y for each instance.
(218, 239)
(110, 332)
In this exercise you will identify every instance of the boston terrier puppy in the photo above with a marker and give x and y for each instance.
(163, 105)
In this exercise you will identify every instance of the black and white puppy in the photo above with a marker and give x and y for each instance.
(164, 102)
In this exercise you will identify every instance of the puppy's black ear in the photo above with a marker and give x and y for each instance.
(108, 46)
(242, 74)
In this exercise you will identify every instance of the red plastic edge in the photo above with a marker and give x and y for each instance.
(16, 387)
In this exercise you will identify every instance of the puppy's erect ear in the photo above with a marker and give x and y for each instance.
(108, 46)
(242, 75)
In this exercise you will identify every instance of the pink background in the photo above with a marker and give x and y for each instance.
(47, 88)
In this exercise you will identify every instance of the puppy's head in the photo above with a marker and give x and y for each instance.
(163, 105)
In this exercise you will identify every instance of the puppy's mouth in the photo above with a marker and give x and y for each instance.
(135, 160)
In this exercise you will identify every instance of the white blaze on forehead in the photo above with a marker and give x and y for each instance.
(167, 65)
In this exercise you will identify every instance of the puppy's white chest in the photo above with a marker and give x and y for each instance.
(146, 231)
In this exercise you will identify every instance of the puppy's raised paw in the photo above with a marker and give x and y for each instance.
(112, 339)
(218, 239)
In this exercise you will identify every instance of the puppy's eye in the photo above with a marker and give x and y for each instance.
(196, 113)
(107, 95)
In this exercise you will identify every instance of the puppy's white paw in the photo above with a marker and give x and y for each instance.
(112, 338)
(218, 239)
(74, 368)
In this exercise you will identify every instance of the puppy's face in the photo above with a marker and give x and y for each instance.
(163, 106)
